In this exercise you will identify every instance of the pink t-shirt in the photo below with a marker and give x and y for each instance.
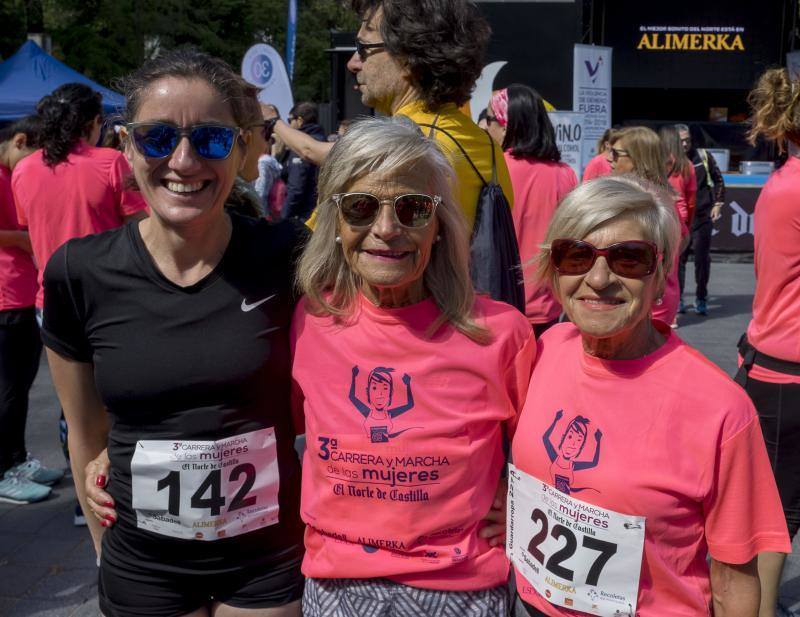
(539, 186)
(679, 443)
(668, 309)
(686, 187)
(596, 167)
(404, 441)
(83, 195)
(775, 327)
(17, 272)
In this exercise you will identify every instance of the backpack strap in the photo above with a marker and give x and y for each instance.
(433, 126)
(494, 162)
(460, 147)
(704, 157)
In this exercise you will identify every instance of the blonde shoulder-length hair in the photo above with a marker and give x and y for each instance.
(646, 153)
(385, 147)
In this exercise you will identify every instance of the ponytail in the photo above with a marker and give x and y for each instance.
(66, 114)
(774, 103)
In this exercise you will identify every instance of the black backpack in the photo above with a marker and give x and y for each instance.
(494, 254)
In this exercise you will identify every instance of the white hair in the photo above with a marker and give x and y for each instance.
(387, 146)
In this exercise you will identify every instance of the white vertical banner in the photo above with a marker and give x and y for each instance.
(793, 64)
(569, 130)
(591, 93)
(263, 67)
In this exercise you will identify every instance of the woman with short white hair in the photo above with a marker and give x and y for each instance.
(635, 456)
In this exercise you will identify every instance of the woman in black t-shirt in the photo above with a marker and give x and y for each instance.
(176, 330)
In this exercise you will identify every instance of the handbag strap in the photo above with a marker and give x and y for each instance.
(751, 356)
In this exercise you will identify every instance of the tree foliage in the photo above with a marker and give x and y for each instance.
(105, 39)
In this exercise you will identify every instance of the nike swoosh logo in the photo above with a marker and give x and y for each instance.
(246, 308)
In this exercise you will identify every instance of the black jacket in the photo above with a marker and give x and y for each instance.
(710, 185)
(301, 179)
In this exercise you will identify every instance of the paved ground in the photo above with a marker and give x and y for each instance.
(47, 565)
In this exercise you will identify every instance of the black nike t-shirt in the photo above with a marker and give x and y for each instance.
(205, 362)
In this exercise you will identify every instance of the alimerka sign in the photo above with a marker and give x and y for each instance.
(695, 44)
(691, 38)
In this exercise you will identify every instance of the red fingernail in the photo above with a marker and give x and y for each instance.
(108, 517)
(109, 504)
(100, 480)
(104, 523)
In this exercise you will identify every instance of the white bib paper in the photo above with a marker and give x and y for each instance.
(206, 490)
(574, 554)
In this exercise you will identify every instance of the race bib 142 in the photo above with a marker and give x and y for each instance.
(206, 490)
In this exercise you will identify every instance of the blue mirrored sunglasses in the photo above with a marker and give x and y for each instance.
(157, 140)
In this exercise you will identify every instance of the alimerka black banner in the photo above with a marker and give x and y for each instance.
(702, 44)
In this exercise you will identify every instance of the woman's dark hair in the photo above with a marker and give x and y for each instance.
(30, 126)
(67, 115)
(307, 111)
(189, 63)
(442, 43)
(529, 132)
(675, 157)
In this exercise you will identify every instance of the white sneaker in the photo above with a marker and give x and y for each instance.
(33, 470)
(15, 488)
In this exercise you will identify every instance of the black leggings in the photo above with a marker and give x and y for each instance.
(700, 245)
(778, 407)
(20, 350)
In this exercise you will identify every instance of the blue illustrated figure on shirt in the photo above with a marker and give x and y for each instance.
(378, 413)
(564, 461)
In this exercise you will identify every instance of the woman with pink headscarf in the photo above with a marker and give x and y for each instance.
(518, 121)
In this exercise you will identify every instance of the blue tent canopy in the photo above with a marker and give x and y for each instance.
(31, 73)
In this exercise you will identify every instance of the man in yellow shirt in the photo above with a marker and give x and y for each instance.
(421, 60)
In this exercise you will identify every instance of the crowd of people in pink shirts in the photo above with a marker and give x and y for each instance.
(461, 457)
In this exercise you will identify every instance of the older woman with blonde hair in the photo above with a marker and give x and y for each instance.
(635, 456)
(405, 379)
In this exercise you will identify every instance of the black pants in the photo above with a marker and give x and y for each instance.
(700, 245)
(778, 407)
(20, 350)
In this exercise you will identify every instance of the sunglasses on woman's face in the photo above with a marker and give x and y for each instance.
(616, 153)
(157, 140)
(633, 259)
(413, 210)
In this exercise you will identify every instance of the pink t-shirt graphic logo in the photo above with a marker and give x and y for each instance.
(378, 414)
(563, 460)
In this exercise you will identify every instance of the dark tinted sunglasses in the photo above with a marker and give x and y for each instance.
(363, 48)
(616, 153)
(633, 259)
(157, 140)
(361, 209)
